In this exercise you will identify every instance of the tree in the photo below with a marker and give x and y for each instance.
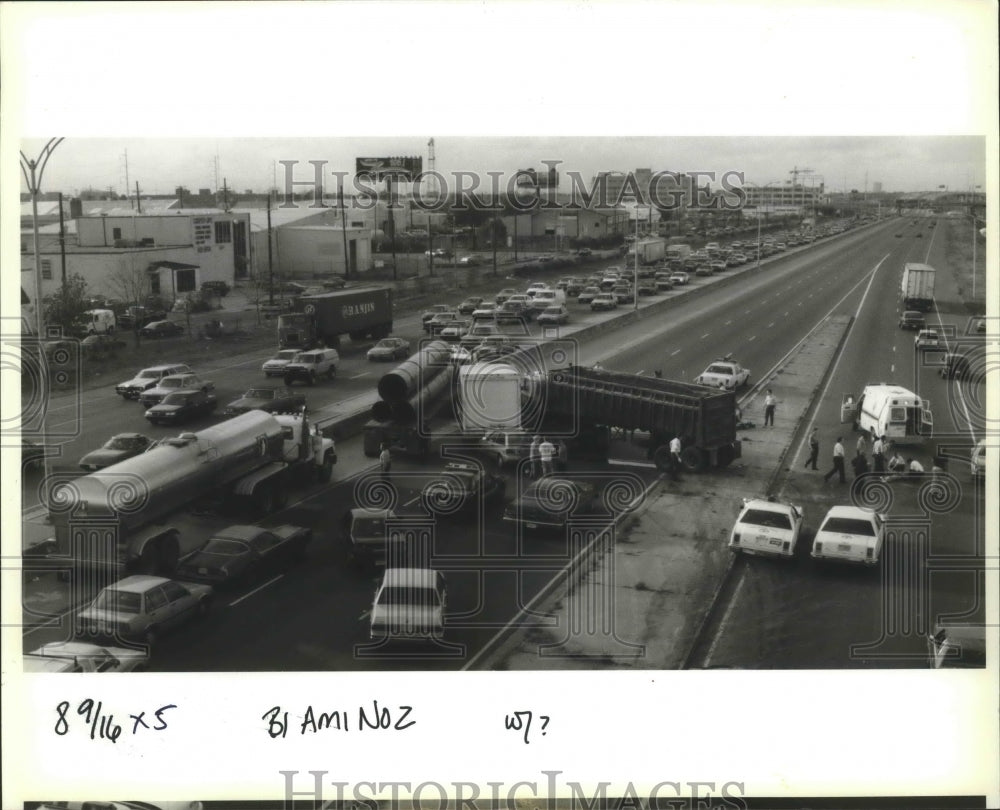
(66, 305)
(130, 284)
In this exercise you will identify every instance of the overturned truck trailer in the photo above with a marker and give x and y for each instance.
(703, 418)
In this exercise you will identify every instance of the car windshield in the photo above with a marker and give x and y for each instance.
(123, 443)
(762, 517)
(225, 547)
(177, 399)
(403, 595)
(719, 370)
(261, 393)
(118, 601)
(172, 382)
(845, 525)
(386, 344)
(149, 375)
(285, 355)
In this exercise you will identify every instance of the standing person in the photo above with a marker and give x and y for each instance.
(878, 454)
(862, 445)
(838, 462)
(534, 466)
(769, 403)
(547, 451)
(385, 461)
(860, 464)
(813, 450)
(675, 457)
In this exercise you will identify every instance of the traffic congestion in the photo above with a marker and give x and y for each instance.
(409, 462)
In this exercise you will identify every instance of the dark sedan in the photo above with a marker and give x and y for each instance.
(243, 554)
(161, 329)
(550, 502)
(389, 349)
(273, 399)
(117, 448)
(181, 406)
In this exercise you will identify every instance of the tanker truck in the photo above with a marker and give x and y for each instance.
(577, 399)
(126, 517)
(361, 312)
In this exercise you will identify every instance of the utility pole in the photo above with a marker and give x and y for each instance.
(270, 261)
(496, 208)
(62, 244)
(392, 223)
(343, 228)
(138, 202)
(126, 177)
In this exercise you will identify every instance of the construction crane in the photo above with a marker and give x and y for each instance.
(795, 172)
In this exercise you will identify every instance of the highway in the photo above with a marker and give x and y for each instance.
(314, 616)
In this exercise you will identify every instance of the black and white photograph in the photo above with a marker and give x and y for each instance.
(363, 425)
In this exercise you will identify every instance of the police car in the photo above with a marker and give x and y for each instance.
(724, 373)
(766, 527)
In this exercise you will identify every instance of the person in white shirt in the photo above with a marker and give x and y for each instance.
(838, 462)
(546, 451)
(769, 404)
(675, 457)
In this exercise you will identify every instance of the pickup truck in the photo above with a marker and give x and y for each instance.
(174, 382)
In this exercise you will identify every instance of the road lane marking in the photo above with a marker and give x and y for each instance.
(705, 335)
(258, 588)
(675, 351)
(753, 337)
(772, 323)
(362, 374)
(727, 323)
(364, 615)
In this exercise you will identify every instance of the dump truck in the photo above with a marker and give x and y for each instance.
(125, 517)
(918, 287)
(577, 398)
(361, 312)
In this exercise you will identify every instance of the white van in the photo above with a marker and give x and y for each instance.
(889, 410)
(97, 322)
(548, 298)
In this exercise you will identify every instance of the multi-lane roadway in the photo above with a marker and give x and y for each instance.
(314, 616)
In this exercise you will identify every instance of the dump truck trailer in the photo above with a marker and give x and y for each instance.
(577, 398)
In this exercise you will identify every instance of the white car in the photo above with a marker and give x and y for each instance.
(766, 527)
(926, 339)
(850, 534)
(80, 656)
(275, 367)
(486, 311)
(409, 605)
(724, 373)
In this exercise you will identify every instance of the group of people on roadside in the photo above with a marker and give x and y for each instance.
(885, 459)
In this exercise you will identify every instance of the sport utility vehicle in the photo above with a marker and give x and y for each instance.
(911, 319)
(147, 378)
(312, 364)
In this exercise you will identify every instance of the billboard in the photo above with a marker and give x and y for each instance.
(399, 168)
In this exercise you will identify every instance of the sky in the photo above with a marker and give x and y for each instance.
(840, 163)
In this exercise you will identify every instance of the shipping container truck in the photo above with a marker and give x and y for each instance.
(361, 312)
(126, 517)
(918, 286)
(703, 418)
(650, 250)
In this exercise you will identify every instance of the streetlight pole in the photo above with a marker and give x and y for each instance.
(33, 170)
(635, 265)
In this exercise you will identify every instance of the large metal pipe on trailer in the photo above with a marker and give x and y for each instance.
(403, 382)
(427, 401)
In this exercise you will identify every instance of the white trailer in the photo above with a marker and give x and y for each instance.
(489, 397)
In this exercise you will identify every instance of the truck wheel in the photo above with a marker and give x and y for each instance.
(148, 559)
(263, 497)
(725, 456)
(332, 373)
(325, 472)
(661, 458)
(693, 459)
